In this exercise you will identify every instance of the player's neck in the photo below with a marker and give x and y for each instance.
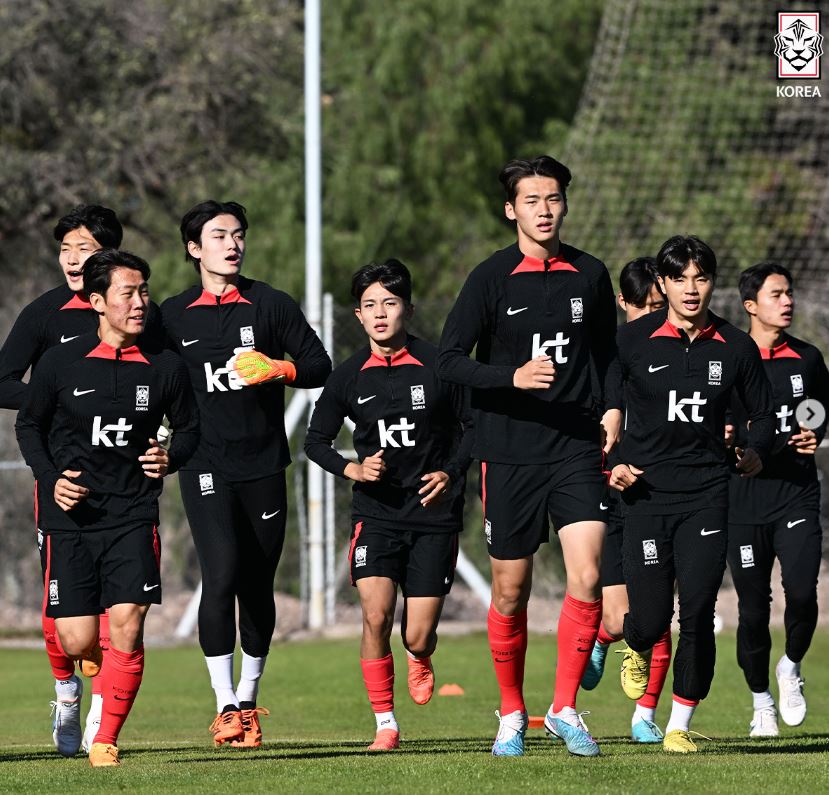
(766, 336)
(114, 338)
(691, 326)
(532, 248)
(389, 347)
(218, 283)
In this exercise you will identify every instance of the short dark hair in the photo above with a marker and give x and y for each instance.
(636, 280)
(752, 279)
(542, 166)
(392, 274)
(678, 252)
(196, 217)
(102, 223)
(97, 270)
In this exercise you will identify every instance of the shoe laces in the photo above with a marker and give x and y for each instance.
(250, 715)
(792, 687)
(639, 662)
(223, 719)
(511, 724)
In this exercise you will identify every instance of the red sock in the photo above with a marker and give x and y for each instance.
(604, 638)
(122, 678)
(660, 664)
(103, 637)
(62, 666)
(508, 645)
(378, 676)
(578, 626)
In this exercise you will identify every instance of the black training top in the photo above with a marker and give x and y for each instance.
(677, 393)
(94, 408)
(401, 406)
(514, 308)
(797, 372)
(242, 427)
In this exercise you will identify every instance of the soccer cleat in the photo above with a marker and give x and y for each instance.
(645, 731)
(575, 735)
(511, 730)
(252, 731)
(635, 671)
(764, 723)
(104, 755)
(227, 726)
(66, 723)
(791, 703)
(595, 666)
(90, 665)
(679, 742)
(421, 679)
(385, 740)
(93, 723)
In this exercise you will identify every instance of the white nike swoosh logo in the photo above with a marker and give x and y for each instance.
(79, 392)
(68, 339)
(512, 311)
(360, 400)
(602, 506)
(792, 524)
(705, 532)
(270, 515)
(652, 369)
(150, 587)
(185, 343)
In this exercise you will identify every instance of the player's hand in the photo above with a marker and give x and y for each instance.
(254, 368)
(67, 493)
(729, 436)
(538, 373)
(624, 476)
(804, 442)
(437, 487)
(611, 424)
(748, 462)
(156, 461)
(369, 471)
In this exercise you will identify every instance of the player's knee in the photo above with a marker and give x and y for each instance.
(76, 642)
(377, 622)
(584, 583)
(614, 623)
(800, 599)
(420, 642)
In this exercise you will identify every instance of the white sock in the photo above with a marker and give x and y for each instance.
(252, 668)
(67, 689)
(681, 715)
(221, 680)
(787, 667)
(386, 720)
(643, 713)
(95, 708)
(762, 700)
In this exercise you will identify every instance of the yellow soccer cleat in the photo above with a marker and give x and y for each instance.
(636, 668)
(104, 755)
(679, 742)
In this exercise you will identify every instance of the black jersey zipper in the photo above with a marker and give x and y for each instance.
(548, 263)
(390, 379)
(115, 365)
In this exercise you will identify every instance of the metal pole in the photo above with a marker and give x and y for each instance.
(330, 486)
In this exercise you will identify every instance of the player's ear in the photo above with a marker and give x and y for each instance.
(358, 314)
(194, 249)
(620, 299)
(409, 311)
(98, 302)
(750, 307)
(661, 281)
(509, 211)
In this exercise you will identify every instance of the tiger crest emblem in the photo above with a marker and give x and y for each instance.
(798, 45)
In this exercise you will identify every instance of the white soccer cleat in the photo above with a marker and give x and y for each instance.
(66, 723)
(93, 723)
(764, 723)
(791, 702)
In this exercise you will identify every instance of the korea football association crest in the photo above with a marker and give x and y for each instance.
(206, 484)
(714, 373)
(246, 335)
(576, 310)
(54, 599)
(360, 556)
(418, 397)
(488, 531)
(747, 556)
(798, 45)
(142, 398)
(649, 551)
(797, 385)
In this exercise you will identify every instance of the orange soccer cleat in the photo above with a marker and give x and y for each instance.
(421, 679)
(385, 740)
(252, 732)
(227, 726)
(90, 663)
(104, 755)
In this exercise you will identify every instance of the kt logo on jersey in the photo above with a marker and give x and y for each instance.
(798, 45)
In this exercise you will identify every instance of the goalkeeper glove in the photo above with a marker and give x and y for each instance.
(254, 368)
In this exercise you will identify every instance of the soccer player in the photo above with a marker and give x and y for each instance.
(57, 317)
(680, 367)
(542, 316)
(777, 514)
(409, 479)
(639, 295)
(92, 408)
(234, 333)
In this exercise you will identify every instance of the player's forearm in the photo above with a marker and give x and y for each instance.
(324, 455)
(12, 392)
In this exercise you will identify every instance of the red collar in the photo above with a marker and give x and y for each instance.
(782, 351)
(668, 329)
(77, 301)
(106, 351)
(533, 265)
(231, 296)
(401, 357)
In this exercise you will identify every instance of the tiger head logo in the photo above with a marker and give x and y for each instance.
(798, 45)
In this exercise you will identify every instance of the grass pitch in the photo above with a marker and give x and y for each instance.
(320, 724)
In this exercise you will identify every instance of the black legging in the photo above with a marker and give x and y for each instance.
(238, 530)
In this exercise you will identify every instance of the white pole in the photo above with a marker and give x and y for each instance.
(313, 293)
(330, 485)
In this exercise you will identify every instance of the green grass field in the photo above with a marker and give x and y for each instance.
(320, 725)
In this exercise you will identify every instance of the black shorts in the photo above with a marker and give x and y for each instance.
(423, 564)
(91, 571)
(518, 499)
(611, 573)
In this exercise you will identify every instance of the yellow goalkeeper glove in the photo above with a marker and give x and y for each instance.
(254, 368)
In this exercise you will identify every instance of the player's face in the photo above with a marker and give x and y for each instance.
(688, 294)
(222, 247)
(774, 306)
(75, 248)
(538, 211)
(383, 315)
(124, 308)
(654, 302)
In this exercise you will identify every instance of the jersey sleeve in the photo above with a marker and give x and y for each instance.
(467, 322)
(754, 392)
(603, 348)
(183, 414)
(21, 349)
(327, 419)
(460, 461)
(820, 392)
(301, 342)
